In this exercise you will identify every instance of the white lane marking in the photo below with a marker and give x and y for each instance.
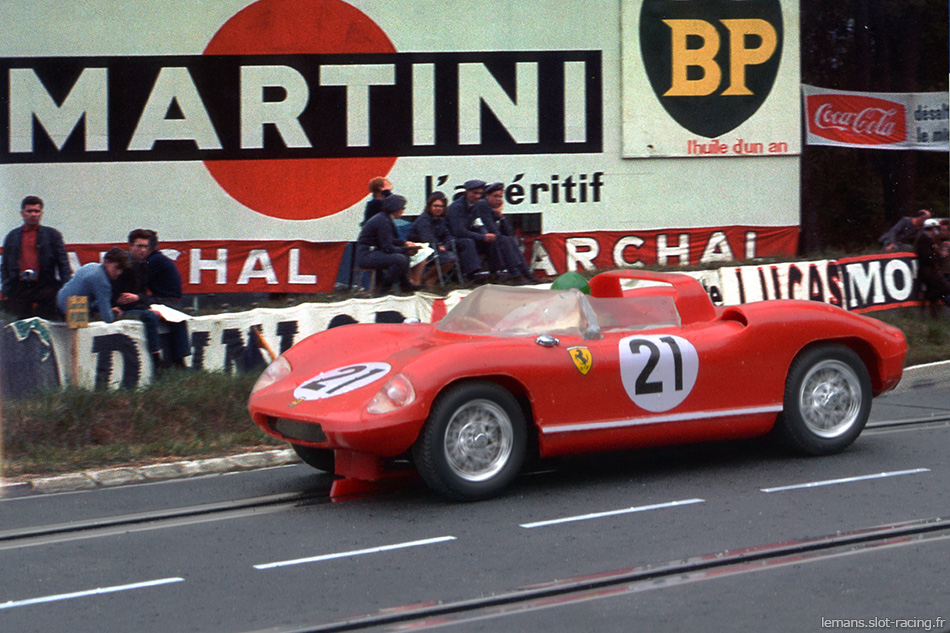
(358, 552)
(610, 513)
(846, 480)
(91, 592)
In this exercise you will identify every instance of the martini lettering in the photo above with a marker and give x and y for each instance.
(230, 107)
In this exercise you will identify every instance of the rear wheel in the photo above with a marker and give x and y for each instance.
(319, 458)
(473, 443)
(827, 400)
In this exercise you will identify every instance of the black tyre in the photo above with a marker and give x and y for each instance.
(473, 443)
(827, 401)
(319, 458)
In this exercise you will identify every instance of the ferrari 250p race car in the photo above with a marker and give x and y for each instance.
(565, 373)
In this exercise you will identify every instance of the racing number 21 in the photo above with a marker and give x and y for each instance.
(658, 372)
(643, 384)
(340, 380)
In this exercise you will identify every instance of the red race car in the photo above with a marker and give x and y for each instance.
(565, 373)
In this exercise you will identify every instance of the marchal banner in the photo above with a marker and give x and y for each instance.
(906, 120)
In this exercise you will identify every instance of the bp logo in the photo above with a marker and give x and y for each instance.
(711, 63)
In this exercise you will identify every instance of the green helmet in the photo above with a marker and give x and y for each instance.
(571, 280)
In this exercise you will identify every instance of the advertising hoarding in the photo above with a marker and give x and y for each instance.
(260, 123)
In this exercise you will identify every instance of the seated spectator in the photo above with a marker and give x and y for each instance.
(379, 247)
(466, 227)
(95, 282)
(153, 278)
(903, 235)
(505, 257)
(432, 228)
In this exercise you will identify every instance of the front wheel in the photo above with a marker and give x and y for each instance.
(473, 443)
(827, 400)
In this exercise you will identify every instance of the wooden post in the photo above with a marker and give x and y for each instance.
(77, 316)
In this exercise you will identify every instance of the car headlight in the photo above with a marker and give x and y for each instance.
(395, 394)
(278, 370)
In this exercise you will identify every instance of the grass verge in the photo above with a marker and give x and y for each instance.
(183, 414)
(928, 339)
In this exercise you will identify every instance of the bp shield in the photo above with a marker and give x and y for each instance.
(711, 63)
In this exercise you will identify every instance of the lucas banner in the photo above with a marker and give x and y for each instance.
(872, 120)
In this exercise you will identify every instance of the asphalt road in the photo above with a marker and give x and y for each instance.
(727, 537)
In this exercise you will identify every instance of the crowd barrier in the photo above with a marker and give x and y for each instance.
(35, 353)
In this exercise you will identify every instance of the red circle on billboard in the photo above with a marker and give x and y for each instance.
(310, 188)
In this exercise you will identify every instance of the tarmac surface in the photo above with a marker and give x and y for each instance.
(914, 377)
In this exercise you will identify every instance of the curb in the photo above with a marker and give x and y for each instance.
(110, 477)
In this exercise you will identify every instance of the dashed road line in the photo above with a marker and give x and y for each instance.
(609, 513)
(91, 592)
(846, 480)
(352, 553)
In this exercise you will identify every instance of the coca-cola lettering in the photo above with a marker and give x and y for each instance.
(868, 121)
(857, 119)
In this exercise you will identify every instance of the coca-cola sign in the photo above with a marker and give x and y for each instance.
(856, 119)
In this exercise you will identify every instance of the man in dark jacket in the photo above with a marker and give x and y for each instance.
(504, 255)
(468, 230)
(153, 279)
(934, 285)
(34, 264)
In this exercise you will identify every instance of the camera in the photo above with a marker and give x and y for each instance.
(29, 275)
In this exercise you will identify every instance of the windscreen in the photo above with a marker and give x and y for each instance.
(504, 311)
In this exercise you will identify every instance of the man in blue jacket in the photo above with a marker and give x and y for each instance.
(94, 281)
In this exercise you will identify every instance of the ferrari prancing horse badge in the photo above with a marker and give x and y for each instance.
(582, 358)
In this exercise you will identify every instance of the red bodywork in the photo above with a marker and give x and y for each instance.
(718, 374)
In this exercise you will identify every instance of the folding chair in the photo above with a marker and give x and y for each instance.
(364, 274)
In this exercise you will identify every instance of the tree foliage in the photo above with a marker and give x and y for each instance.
(850, 196)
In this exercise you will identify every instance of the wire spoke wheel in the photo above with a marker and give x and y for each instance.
(473, 443)
(830, 398)
(827, 400)
(478, 440)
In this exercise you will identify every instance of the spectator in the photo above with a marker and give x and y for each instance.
(379, 247)
(34, 264)
(432, 228)
(903, 235)
(943, 247)
(465, 224)
(153, 278)
(505, 255)
(95, 282)
(379, 188)
(933, 284)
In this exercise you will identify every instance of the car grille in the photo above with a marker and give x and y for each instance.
(296, 430)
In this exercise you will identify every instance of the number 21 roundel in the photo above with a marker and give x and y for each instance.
(658, 372)
(336, 382)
